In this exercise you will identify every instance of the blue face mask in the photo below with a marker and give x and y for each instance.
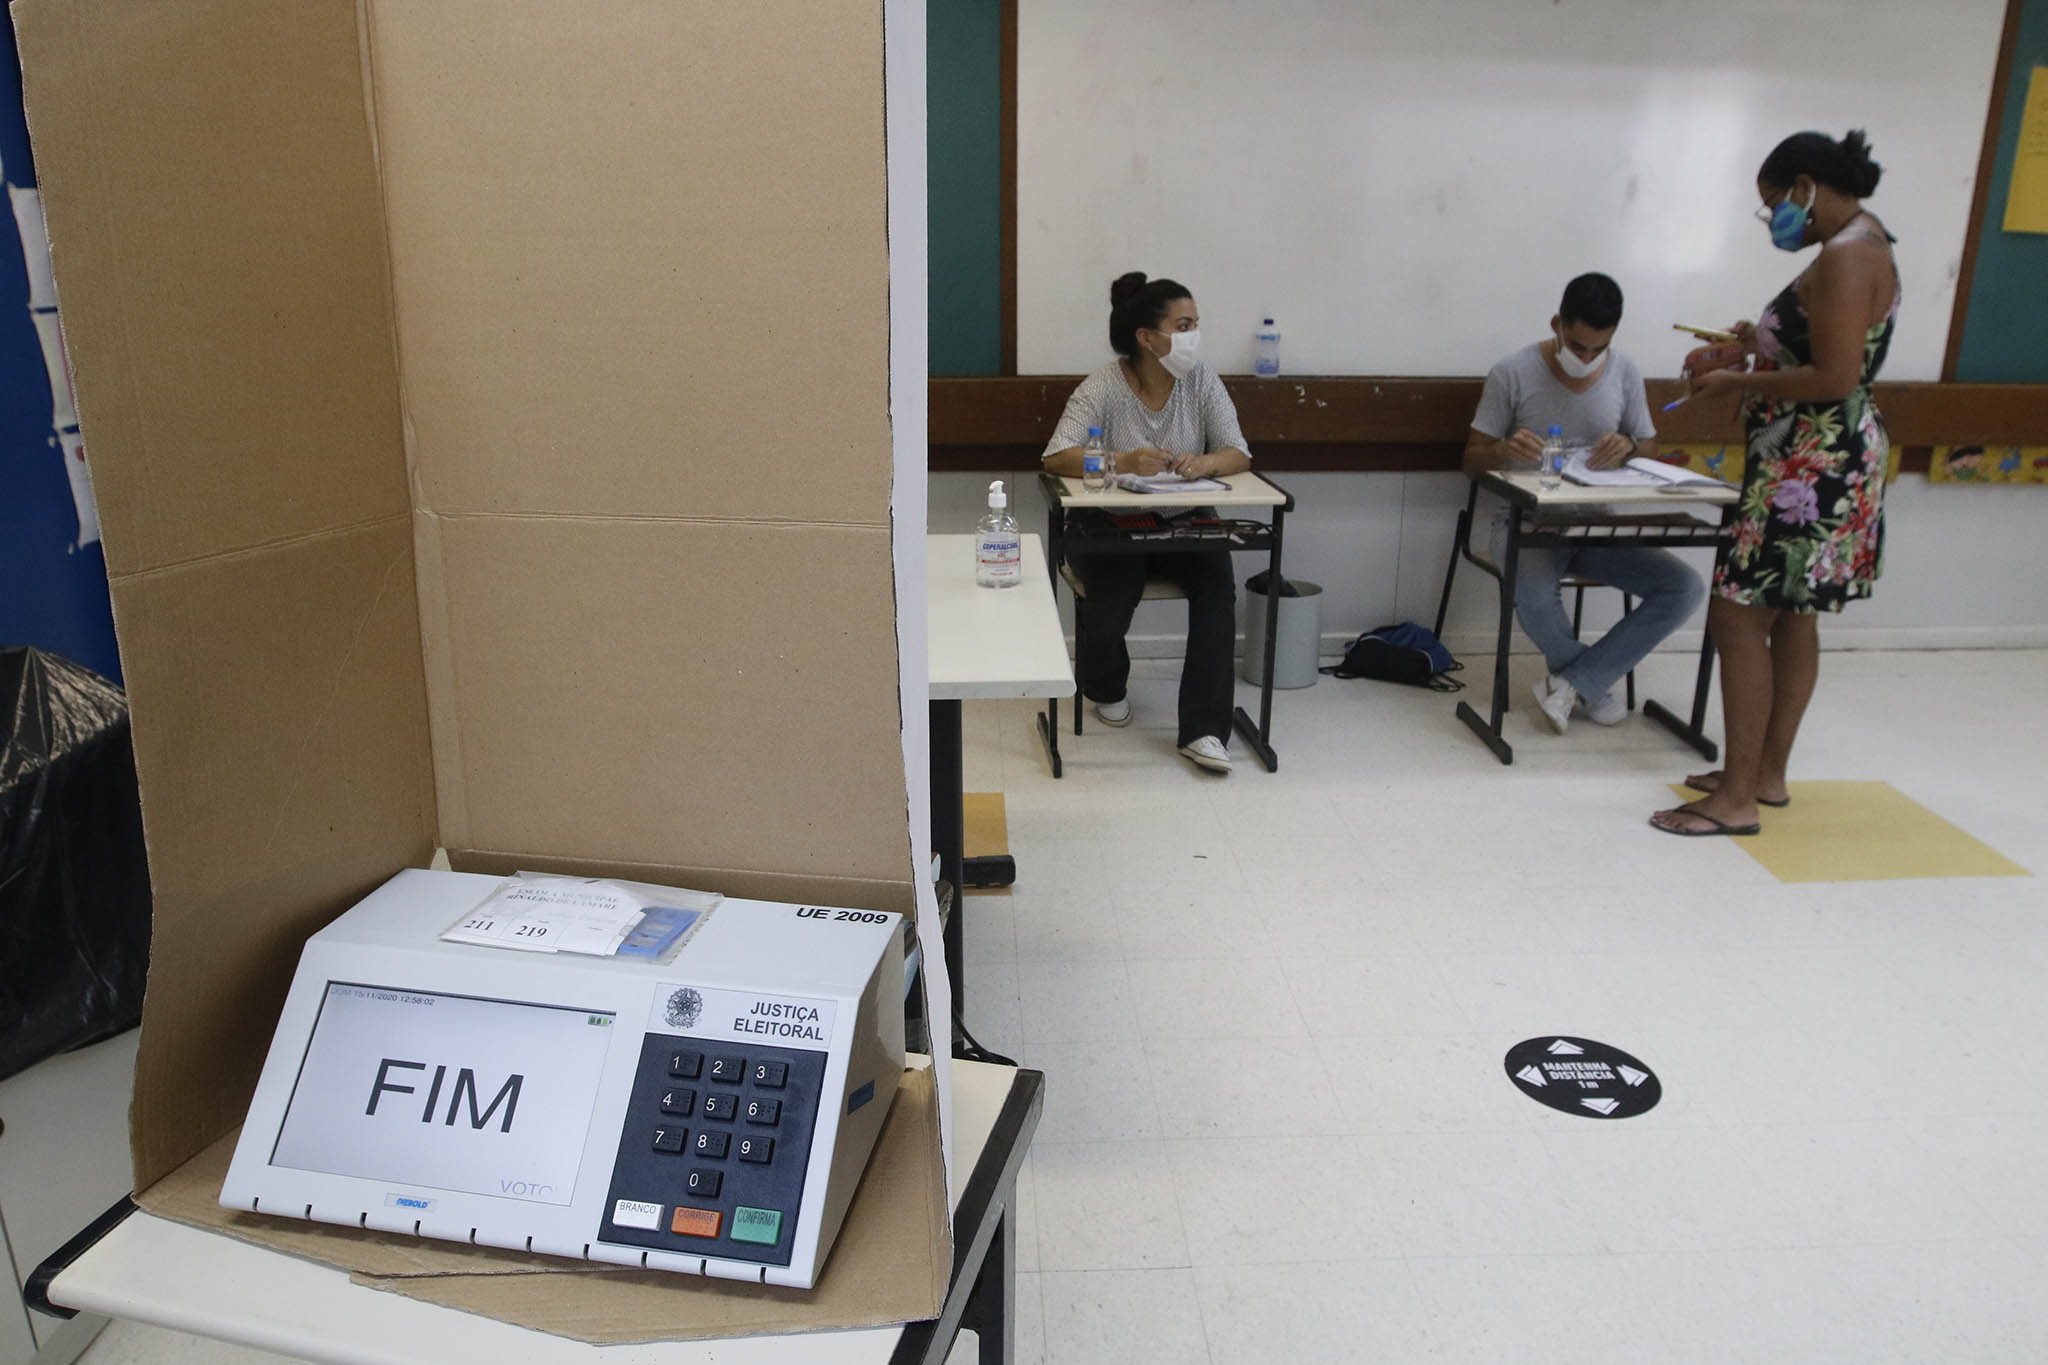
(1788, 222)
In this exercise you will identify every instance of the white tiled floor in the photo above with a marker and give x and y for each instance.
(1272, 1008)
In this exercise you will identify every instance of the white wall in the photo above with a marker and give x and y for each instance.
(1963, 565)
(1407, 187)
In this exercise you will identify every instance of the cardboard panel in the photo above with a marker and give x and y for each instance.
(890, 1264)
(640, 254)
(215, 227)
(280, 739)
(700, 695)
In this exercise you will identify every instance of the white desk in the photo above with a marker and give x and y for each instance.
(983, 643)
(151, 1270)
(1242, 490)
(992, 642)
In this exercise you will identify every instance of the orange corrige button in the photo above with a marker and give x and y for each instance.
(695, 1222)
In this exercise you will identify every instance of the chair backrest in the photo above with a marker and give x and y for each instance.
(1156, 589)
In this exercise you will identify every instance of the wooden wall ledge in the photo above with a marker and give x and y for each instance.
(1387, 423)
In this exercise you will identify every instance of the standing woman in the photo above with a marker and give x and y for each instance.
(1809, 531)
(1160, 408)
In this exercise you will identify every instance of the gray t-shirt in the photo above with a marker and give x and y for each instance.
(1198, 417)
(1522, 392)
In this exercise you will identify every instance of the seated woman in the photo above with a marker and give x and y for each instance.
(1160, 408)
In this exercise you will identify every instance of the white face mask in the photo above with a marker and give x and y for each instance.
(1575, 367)
(1186, 347)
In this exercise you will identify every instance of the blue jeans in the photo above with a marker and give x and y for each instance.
(1666, 589)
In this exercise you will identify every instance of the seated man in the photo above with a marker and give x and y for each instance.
(1576, 380)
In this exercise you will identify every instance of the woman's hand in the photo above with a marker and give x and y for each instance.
(1745, 335)
(1144, 460)
(1717, 383)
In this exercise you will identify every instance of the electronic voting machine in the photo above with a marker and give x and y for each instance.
(702, 1099)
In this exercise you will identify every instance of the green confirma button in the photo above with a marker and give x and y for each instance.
(756, 1225)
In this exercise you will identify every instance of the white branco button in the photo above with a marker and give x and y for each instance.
(631, 1213)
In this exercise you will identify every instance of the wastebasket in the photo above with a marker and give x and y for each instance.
(1297, 636)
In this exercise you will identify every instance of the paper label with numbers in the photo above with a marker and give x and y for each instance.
(553, 915)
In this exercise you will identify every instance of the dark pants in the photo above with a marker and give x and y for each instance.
(1115, 585)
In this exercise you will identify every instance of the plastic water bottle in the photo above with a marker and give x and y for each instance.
(1266, 359)
(1094, 462)
(998, 547)
(1551, 472)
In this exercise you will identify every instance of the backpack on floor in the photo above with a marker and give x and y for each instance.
(1403, 653)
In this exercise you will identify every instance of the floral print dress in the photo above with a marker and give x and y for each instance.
(1809, 530)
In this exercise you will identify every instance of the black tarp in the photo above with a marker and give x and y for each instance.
(74, 882)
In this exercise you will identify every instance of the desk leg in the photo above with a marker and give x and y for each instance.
(1049, 731)
(1049, 717)
(1260, 737)
(992, 1309)
(1694, 733)
(949, 835)
(1489, 731)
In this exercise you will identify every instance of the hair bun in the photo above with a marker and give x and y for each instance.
(1863, 172)
(1126, 287)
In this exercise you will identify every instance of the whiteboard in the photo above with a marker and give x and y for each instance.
(1407, 187)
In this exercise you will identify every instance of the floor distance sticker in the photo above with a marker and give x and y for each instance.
(1580, 1076)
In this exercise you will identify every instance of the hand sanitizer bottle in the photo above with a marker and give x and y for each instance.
(1266, 358)
(1551, 473)
(998, 547)
(1094, 462)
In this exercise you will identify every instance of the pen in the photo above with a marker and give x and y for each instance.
(1704, 333)
(1676, 401)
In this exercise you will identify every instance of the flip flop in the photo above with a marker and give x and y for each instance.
(1761, 800)
(1719, 827)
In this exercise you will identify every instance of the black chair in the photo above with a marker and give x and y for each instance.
(1461, 548)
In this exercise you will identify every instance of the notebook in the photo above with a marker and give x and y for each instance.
(1168, 483)
(1639, 472)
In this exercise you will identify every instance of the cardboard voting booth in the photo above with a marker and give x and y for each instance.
(489, 404)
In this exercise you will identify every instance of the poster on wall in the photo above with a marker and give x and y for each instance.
(2026, 203)
(1988, 464)
(65, 442)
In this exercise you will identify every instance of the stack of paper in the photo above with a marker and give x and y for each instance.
(541, 914)
(1637, 473)
(1168, 483)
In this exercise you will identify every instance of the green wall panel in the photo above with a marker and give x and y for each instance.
(2005, 331)
(963, 103)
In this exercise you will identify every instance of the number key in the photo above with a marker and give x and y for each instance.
(712, 1144)
(764, 1111)
(685, 1065)
(720, 1106)
(704, 1184)
(678, 1101)
(771, 1075)
(757, 1149)
(731, 1070)
(671, 1139)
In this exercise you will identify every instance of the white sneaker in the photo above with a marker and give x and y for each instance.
(1554, 698)
(1605, 709)
(1208, 752)
(1113, 713)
